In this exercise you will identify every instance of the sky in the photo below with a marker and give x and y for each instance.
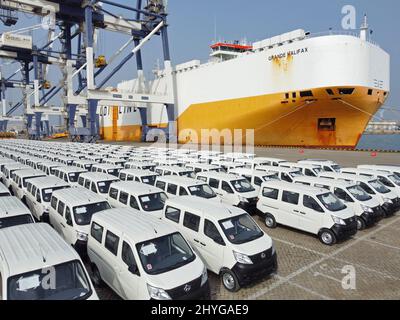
(194, 25)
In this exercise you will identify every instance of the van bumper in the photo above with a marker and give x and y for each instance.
(389, 209)
(248, 273)
(344, 232)
(371, 218)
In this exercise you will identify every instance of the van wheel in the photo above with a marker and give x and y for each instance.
(327, 237)
(96, 277)
(270, 221)
(360, 223)
(229, 280)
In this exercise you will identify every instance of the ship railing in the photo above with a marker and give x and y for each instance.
(340, 33)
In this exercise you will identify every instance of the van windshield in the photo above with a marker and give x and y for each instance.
(274, 176)
(188, 174)
(83, 214)
(295, 174)
(240, 229)
(46, 193)
(24, 182)
(242, 185)
(359, 193)
(73, 176)
(331, 202)
(114, 172)
(164, 254)
(151, 180)
(104, 186)
(151, 168)
(202, 191)
(70, 283)
(378, 186)
(336, 167)
(153, 202)
(15, 221)
(395, 179)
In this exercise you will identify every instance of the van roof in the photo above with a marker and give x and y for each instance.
(346, 176)
(12, 206)
(134, 226)
(175, 169)
(204, 207)
(301, 165)
(33, 246)
(138, 172)
(29, 172)
(17, 165)
(136, 188)
(47, 182)
(77, 196)
(69, 169)
(324, 181)
(184, 181)
(293, 187)
(250, 172)
(98, 176)
(106, 166)
(219, 175)
(204, 165)
(277, 169)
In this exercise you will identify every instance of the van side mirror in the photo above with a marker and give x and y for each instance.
(134, 270)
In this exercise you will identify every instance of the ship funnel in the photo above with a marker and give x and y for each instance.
(364, 29)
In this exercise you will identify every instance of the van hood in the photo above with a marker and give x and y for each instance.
(249, 195)
(175, 278)
(253, 247)
(372, 203)
(343, 214)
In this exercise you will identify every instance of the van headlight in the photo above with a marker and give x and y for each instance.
(387, 200)
(81, 236)
(157, 293)
(204, 276)
(339, 221)
(367, 209)
(242, 258)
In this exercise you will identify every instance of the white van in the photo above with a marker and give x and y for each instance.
(143, 176)
(69, 174)
(115, 161)
(227, 239)
(227, 165)
(4, 192)
(107, 168)
(28, 253)
(140, 165)
(8, 171)
(13, 212)
(259, 161)
(97, 182)
(48, 167)
(255, 177)
(326, 165)
(366, 207)
(84, 164)
(71, 212)
(150, 259)
(19, 181)
(180, 186)
(38, 195)
(314, 210)
(387, 168)
(175, 171)
(138, 196)
(310, 170)
(387, 198)
(203, 167)
(284, 174)
(232, 189)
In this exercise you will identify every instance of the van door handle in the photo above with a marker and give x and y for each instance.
(303, 213)
(297, 211)
(203, 244)
(197, 241)
(62, 225)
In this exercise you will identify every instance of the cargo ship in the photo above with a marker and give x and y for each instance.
(296, 89)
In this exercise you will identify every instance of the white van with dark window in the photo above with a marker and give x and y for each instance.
(13, 212)
(141, 257)
(71, 212)
(284, 174)
(203, 167)
(180, 186)
(28, 253)
(175, 171)
(366, 207)
(232, 189)
(69, 174)
(143, 176)
(85, 164)
(309, 170)
(20, 178)
(387, 198)
(107, 168)
(140, 165)
(48, 167)
(314, 210)
(9, 169)
(97, 182)
(255, 177)
(139, 196)
(326, 165)
(38, 195)
(227, 239)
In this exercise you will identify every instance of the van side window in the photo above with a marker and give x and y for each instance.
(309, 202)
(290, 197)
(285, 177)
(182, 191)
(97, 231)
(214, 183)
(113, 193)
(87, 184)
(122, 176)
(94, 189)
(258, 181)
(327, 169)
(127, 255)
(173, 214)
(81, 181)
(226, 187)
(137, 179)
(309, 173)
(211, 231)
(29, 188)
(161, 185)
(270, 193)
(61, 207)
(366, 188)
(54, 203)
(112, 242)
(123, 197)
(172, 188)
(133, 203)
(204, 179)
(191, 221)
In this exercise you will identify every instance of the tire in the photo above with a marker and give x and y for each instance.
(327, 237)
(360, 223)
(96, 277)
(270, 221)
(230, 280)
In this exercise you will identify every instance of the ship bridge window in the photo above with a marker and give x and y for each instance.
(330, 92)
(346, 90)
(294, 95)
(287, 95)
(306, 94)
(326, 124)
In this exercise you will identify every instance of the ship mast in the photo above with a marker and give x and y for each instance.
(364, 29)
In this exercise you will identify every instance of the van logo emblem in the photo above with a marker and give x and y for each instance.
(187, 288)
(263, 255)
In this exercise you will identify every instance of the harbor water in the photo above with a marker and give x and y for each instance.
(381, 142)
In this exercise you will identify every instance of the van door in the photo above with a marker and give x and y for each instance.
(112, 267)
(130, 282)
(228, 195)
(290, 209)
(311, 215)
(69, 232)
(191, 227)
